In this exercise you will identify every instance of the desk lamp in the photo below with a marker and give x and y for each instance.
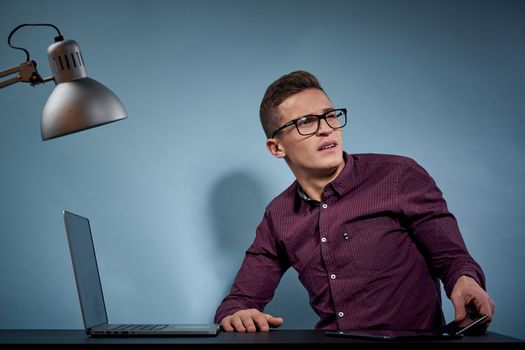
(77, 102)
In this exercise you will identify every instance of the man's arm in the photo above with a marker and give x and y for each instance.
(255, 284)
(436, 232)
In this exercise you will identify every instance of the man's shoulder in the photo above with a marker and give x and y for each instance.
(382, 164)
(284, 198)
(378, 159)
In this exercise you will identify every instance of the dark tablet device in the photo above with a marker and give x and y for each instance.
(471, 325)
(453, 330)
(388, 334)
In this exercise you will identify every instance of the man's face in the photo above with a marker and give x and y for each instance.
(318, 154)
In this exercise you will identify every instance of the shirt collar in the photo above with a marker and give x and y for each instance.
(341, 184)
(303, 195)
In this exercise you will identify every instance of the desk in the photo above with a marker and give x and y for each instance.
(290, 337)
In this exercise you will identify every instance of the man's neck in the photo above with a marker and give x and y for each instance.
(313, 185)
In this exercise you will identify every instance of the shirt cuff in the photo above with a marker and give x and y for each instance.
(449, 286)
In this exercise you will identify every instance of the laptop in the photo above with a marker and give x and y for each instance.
(90, 294)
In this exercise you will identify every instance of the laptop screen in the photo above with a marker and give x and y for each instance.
(86, 270)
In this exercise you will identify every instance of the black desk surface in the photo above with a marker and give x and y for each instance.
(70, 337)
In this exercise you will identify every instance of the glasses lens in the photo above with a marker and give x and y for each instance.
(336, 119)
(307, 125)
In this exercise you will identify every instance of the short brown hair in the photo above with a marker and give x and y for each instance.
(284, 87)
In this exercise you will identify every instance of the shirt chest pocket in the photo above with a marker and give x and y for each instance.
(375, 244)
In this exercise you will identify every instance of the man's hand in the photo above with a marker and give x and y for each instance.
(468, 296)
(250, 320)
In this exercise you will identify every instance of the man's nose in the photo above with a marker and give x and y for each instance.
(324, 128)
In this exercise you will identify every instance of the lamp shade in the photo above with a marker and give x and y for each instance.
(78, 105)
(77, 102)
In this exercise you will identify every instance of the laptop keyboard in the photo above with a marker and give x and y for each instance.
(133, 327)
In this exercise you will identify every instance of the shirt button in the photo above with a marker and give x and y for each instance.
(323, 239)
(332, 276)
(325, 205)
(340, 314)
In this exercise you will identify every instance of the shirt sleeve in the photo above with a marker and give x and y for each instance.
(259, 275)
(433, 228)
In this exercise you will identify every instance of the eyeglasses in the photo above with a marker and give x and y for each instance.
(309, 124)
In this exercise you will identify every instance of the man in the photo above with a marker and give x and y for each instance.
(369, 235)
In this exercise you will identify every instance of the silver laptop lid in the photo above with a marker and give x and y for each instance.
(85, 268)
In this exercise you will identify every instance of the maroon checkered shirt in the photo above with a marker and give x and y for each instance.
(370, 254)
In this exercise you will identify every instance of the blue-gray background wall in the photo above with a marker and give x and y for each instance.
(175, 191)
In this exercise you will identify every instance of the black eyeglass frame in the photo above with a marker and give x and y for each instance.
(319, 117)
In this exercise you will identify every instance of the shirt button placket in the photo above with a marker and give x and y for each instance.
(333, 276)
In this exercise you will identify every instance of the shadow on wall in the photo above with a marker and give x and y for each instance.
(236, 208)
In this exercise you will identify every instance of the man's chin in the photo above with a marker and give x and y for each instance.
(333, 159)
(332, 163)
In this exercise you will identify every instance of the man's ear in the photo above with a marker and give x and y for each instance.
(275, 148)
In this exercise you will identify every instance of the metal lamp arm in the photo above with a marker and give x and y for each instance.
(27, 73)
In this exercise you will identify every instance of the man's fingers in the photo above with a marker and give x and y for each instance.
(238, 325)
(459, 308)
(274, 321)
(247, 320)
(261, 322)
(226, 324)
(231, 324)
(487, 308)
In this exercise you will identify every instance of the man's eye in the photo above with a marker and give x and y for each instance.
(332, 115)
(307, 120)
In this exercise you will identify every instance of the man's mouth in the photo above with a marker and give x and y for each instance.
(327, 145)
